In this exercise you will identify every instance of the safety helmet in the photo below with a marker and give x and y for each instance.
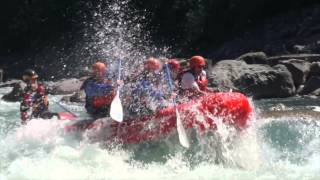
(29, 74)
(153, 64)
(174, 64)
(197, 61)
(98, 68)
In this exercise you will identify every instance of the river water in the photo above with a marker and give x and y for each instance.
(282, 142)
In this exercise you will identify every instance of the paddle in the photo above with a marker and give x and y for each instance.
(181, 131)
(116, 111)
(66, 109)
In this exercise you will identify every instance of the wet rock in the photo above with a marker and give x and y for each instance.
(306, 57)
(254, 58)
(258, 81)
(221, 75)
(10, 83)
(78, 97)
(301, 49)
(280, 107)
(299, 69)
(314, 69)
(316, 92)
(312, 86)
(65, 86)
(16, 93)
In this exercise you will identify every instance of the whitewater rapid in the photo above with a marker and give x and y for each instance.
(272, 148)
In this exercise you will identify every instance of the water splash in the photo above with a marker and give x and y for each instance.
(117, 31)
(290, 149)
(24, 155)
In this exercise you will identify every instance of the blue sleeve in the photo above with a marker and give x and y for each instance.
(168, 79)
(148, 89)
(97, 89)
(157, 95)
(144, 88)
(141, 88)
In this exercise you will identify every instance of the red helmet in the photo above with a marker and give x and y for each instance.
(98, 68)
(153, 64)
(197, 61)
(174, 64)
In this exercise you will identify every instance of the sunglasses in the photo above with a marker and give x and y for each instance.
(30, 79)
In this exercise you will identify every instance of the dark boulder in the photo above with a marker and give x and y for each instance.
(299, 70)
(65, 86)
(315, 69)
(16, 93)
(254, 58)
(306, 57)
(312, 86)
(258, 81)
(78, 97)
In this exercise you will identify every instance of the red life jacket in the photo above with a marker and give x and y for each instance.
(25, 105)
(101, 101)
(24, 116)
(202, 82)
(34, 103)
(27, 98)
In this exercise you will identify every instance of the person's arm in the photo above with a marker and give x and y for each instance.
(84, 84)
(188, 82)
(41, 102)
(25, 106)
(23, 112)
(107, 88)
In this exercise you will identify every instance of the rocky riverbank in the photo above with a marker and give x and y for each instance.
(254, 74)
(257, 75)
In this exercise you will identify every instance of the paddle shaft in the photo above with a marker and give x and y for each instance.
(64, 108)
(116, 111)
(181, 131)
(119, 70)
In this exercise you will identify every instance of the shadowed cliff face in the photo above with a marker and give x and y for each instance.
(208, 23)
(42, 32)
(293, 32)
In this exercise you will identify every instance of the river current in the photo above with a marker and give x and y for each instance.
(282, 142)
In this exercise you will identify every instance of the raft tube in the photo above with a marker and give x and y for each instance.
(231, 107)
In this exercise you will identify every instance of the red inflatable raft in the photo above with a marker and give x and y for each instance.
(232, 108)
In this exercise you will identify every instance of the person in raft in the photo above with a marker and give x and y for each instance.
(194, 82)
(148, 94)
(174, 71)
(175, 68)
(35, 102)
(99, 92)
